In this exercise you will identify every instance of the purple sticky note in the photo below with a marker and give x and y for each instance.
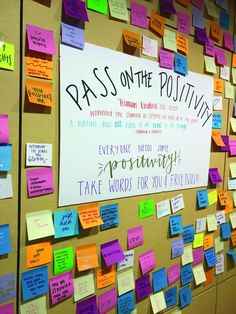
(232, 147)
(167, 7)
(40, 181)
(135, 237)
(4, 129)
(61, 287)
(228, 41)
(183, 23)
(7, 287)
(209, 48)
(40, 39)
(166, 59)
(225, 139)
(107, 301)
(139, 15)
(112, 252)
(143, 287)
(87, 306)
(177, 248)
(198, 4)
(214, 175)
(73, 36)
(201, 35)
(173, 274)
(220, 56)
(198, 20)
(147, 261)
(76, 9)
(7, 309)
(197, 256)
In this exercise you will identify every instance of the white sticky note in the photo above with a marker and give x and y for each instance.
(169, 40)
(187, 257)
(232, 217)
(199, 274)
(219, 245)
(231, 184)
(158, 302)
(38, 154)
(220, 265)
(211, 222)
(5, 186)
(177, 203)
(125, 281)
(201, 225)
(210, 64)
(232, 166)
(234, 75)
(37, 306)
(39, 224)
(127, 262)
(150, 47)
(224, 72)
(163, 208)
(217, 103)
(83, 286)
(220, 217)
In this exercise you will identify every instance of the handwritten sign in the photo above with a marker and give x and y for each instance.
(215, 30)
(38, 254)
(39, 224)
(107, 301)
(61, 287)
(37, 67)
(5, 157)
(105, 277)
(188, 233)
(73, 36)
(128, 260)
(163, 208)
(157, 23)
(89, 216)
(87, 305)
(7, 56)
(176, 226)
(159, 280)
(118, 9)
(183, 24)
(5, 240)
(40, 93)
(199, 274)
(173, 274)
(187, 257)
(158, 302)
(132, 39)
(126, 303)
(112, 252)
(86, 256)
(75, 9)
(38, 305)
(150, 47)
(84, 286)
(7, 287)
(38, 154)
(143, 287)
(186, 274)
(4, 129)
(125, 281)
(63, 260)
(135, 237)
(66, 223)
(40, 181)
(166, 59)
(177, 248)
(185, 296)
(139, 15)
(110, 216)
(146, 208)
(147, 261)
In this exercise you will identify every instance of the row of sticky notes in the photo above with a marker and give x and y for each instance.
(5, 147)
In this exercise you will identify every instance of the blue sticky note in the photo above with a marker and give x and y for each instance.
(186, 274)
(224, 20)
(202, 198)
(5, 240)
(185, 296)
(34, 282)
(225, 230)
(210, 256)
(159, 280)
(217, 121)
(110, 216)
(171, 296)
(232, 254)
(7, 287)
(66, 223)
(126, 303)
(181, 64)
(188, 233)
(177, 248)
(5, 157)
(176, 226)
(198, 20)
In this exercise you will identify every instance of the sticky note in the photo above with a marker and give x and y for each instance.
(110, 216)
(202, 197)
(209, 276)
(197, 256)
(39, 304)
(126, 303)
(225, 230)
(38, 254)
(229, 90)
(187, 256)
(232, 254)
(89, 215)
(185, 3)
(86, 257)
(139, 15)
(182, 44)
(166, 59)
(7, 56)
(40, 39)
(201, 224)
(159, 280)
(34, 282)
(143, 287)
(132, 39)
(146, 208)
(217, 103)
(107, 301)
(39, 224)
(135, 237)
(224, 20)
(224, 72)
(211, 222)
(65, 223)
(234, 61)
(212, 197)
(233, 238)
(210, 257)
(175, 224)
(40, 181)
(199, 274)
(38, 67)
(177, 248)
(105, 277)
(185, 296)
(220, 56)
(61, 287)
(72, 36)
(40, 93)
(186, 274)
(63, 260)
(4, 129)
(232, 218)
(217, 121)
(218, 85)
(223, 4)
(224, 197)
(157, 23)
(75, 9)
(220, 265)
(209, 48)
(232, 147)
(5, 157)
(198, 4)
(150, 47)
(112, 252)
(234, 81)
(181, 64)
(231, 184)
(210, 64)
(197, 17)
(83, 286)
(163, 208)
(158, 302)
(167, 7)
(128, 260)
(211, 9)
(198, 240)
(173, 274)
(220, 217)
(118, 9)
(228, 207)
(214, 176)
(183, 23)
(125, 281)
(99, 6)
(38, 154)
(188, 233)
(5, 239)
(147, 261)
(87, 305)
(7, 309)
(225, 139)
(215, 30)
(171, 297)
(177, 203)
(208, 241)
(219, 245)
(7, 287)
(169, 40)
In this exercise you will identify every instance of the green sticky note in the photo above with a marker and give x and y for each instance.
(98, 5)
(146, 208)
(212, 197)
(6, 56)
(63, 260)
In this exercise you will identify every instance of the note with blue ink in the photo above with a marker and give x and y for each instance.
(186, 274)
(110, 216)
(126, 303)
(202, 197)
(177, 248)
(171, 297)
(185, 296)
(159, 280)
(5, 240)
(225, 230)
(217, 121)
(176, 225)
(7, 287)
(72, 36)
(5, 157)
(188, 233)
(224, 20)
(66, 223)
(210, 256)
(181, 64)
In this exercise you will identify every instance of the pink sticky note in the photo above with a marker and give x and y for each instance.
(198, 4)
(197, 256)
(183, 23)
(7, 309)
(166, 59)
(112, 252)
(232, 147)
(228, 41)
(4, 129)
(210, 48)
(173, 274)
(40, 39)
(40, 181)
(135, 237)
(61, 287)
(107, 301)
(220, 56)
(147, 261)
(139, 15)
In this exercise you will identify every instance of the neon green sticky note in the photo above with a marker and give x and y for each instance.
(212, 197)
(146, 208)
(6, 56)
(98, 5)
(198, 240)
(63, 260)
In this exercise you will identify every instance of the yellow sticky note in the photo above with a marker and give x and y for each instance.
(7, 56)
(125, 281)
(83, 286)
(212, 197)
(233, 124)
(232, 218)
(35, 306)
(232, 166)
(210, 64)
(158, 302)
(219, 245)
(234, 75)
(198, 240)
(169, 40)
(187, 257)
(229, 90)
(39, 224)
(199, 274)
(211, 222)
(118, 9)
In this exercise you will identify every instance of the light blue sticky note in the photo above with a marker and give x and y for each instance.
(186, 274)
(185, 296)
(177, 248)
(5, 240)
(5, 157)
(225, 230)
(159, 280)
(181, 64)
(224, 20)
(7, 287)
(34, 282)
(202, 198)
(171, 297)
(198, 20)
(65, 223)
(232, 254)
(188, 233)
(176, 226)
(72, 36)
(110, 216)
(126, 303)
(217, 121)
(210, 256)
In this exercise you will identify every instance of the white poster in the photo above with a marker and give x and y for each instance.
(129, 127)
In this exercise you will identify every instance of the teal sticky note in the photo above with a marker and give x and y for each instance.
(126, 303)
(5, 240)
(186, 274)
(5, 157)
(65, 223)
(188, 233)
(202, 198)
(176, 226)
(181, 64)
(217, 121)
(110, 216)
(210, 256)
(159, 280)
(224, 20)
(185, 296)
(225, 230)
(171, 296)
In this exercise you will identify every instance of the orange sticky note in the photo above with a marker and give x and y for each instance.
(208, 241)
(182, 43)
(105, 277)
(184, 2)
(86, 257)
(209, 276)
(89, 216)
(39, 67)
(157, 23)
(224, 197)
(219, 86)
(234, 61)
(40, 92)
(229, 207)
(233, 237)
(132, 39)
(217, 138)
(38, 254)
(215, 30)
